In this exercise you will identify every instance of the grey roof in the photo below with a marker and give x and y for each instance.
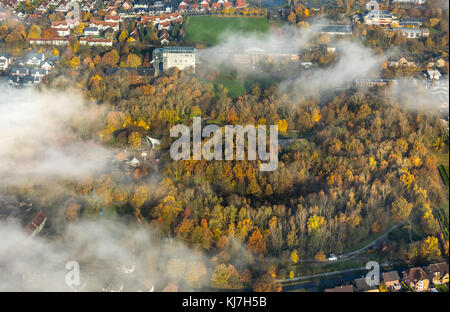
(391, 276)
(34, 71)
(361, 285)
(35, 54)
(176, 50)
(337, 28)
(413, 19)
(91, 29)
(22, 70)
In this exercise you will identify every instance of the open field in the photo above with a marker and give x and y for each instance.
(235, 87)
(208, 29)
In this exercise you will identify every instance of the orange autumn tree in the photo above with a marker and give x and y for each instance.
(256, 242)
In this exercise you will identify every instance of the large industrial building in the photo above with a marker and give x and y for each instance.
(168, 57)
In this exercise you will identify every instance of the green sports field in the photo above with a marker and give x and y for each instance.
(207, 29)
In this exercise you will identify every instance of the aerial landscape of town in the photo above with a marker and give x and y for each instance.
(339, 182)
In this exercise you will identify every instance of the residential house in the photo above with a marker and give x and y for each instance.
(361, 285)
(182, 6)
(63, 7)
(37, 224)
(413, 33)
(59, 41)
(140, 4)
(54, 2)
(372, 5)
(401, 62)
(102, 25)
(47, 65)
(90, 31)
(228, 4)
(126, 5)
(37, 74)
(96, 41)
(5, 61)
(391, 280)
(438, 273)
(433, 74)
(204, 5)
(372, 82)
(216, 6)
(43, 7)
(240, 4)
(440, 63)
(416, 278)
(63, 24)
(34, 58)
(63, 32)
(112, 18)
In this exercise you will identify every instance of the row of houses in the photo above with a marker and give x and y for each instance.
(416, 279)
(61, 41)
(27, 70)
(206, 5)
(54, 5)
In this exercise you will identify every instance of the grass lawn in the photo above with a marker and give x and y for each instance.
(207, 29)
(235, 87)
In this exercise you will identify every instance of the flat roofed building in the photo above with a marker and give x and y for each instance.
(337, 30)
(169, 57)
(380, 17)
(413, 32)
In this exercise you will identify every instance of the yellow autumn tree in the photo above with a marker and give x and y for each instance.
(294, 256)
(430, 248)
(74, 62)
(282, 125)
(314, 222)
(372, 163)
(407, 178)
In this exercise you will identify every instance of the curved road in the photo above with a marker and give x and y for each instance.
(349, 255)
